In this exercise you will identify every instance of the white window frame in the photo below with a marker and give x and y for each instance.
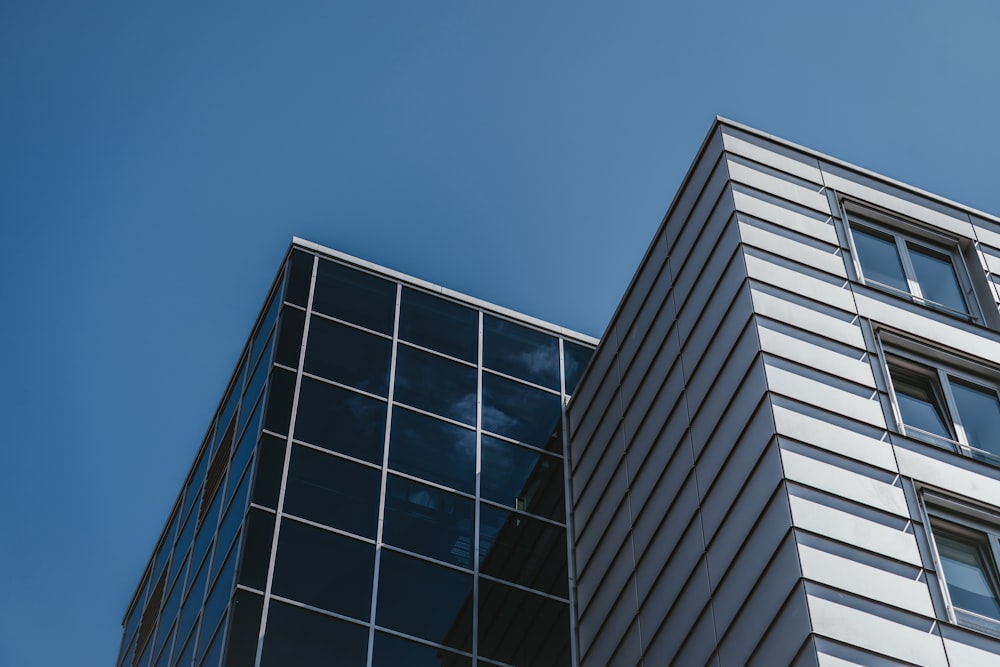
(947, 515)
(940, 368)
(904, 233)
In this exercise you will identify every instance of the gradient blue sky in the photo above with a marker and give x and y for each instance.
(156, 159)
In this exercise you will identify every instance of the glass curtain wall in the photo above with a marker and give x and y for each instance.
(404, 503)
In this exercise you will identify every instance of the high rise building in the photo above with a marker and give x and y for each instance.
(784, 451)
(382, 483)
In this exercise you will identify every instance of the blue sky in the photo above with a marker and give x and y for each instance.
(156, 159)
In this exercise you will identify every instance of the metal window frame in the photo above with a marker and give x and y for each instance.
(944, 515)
(903, 233)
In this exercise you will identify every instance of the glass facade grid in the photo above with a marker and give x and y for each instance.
(376, 449)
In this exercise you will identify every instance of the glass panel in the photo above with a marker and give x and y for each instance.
(192, 605)
(522, 478)
(214, 651)
(234, 518)
(392, 651)
(187, 652)
(348, 356)
(356, 297)
(937, 278)
(279, 401)
(965, 572)
(521, 628)
(218, 598)
(290, 337)
(303, 638)
(920, 403)
(429, 521)
(435, 384)
(206, 531)
(879, 259)
(170, 609)
(340, 420)
(299, 277)
(263, 334)
(432, 449)
(576, 359)
(332, 491)
(519, 351)
(187, 532)
(518, 411)
(241, 645)
(256, 549)
(324, 569)
(254, 386)
(439, 324)
(270, 463)
(194, 484)
(980, 413)
(523, 550)
(249, 430)
(425, 600)
(244, 450)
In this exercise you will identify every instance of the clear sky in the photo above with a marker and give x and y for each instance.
(156, 159)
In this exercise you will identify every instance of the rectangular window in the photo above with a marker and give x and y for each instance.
(923, 266)
(947, 404)
(966, 543)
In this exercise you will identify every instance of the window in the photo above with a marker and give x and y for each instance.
(967, 552)
(918, 264)
(946, 403)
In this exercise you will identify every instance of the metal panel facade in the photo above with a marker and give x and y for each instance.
(750, 483)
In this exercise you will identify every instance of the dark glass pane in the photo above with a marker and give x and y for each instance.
(576, 358)
(333, 491)
(523, 550)
(299, 277)
(438, 324)
(303, 638)
(936, 276)
(214, 651)
(167, 617)
(250, 429)
(256, 549)
(290, 337)
(222, 427)
(522, 478)
(263, 335)
(518, 411)
(241, 645)
(241, 457)
(270, 463)
(965, 569)
(178, 571)
(192, 605)
(324, 569)
(980, 413)
(432, 449)
(187, 532)
(521, 628)
(435, 384)
(879, 259)
(425, 600)
(164, 648)
(218, 597)
(356, 297)
(187, 653)
(206, 531)
(193, 493)
(254, 387)
(920, 402)
(348, 356)
(340, 420)
(392, 651)
(279, 401)
(231, 523)
(519, 351)
(429, 521)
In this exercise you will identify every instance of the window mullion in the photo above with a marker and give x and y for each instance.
(911, 274)
(955, 417)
